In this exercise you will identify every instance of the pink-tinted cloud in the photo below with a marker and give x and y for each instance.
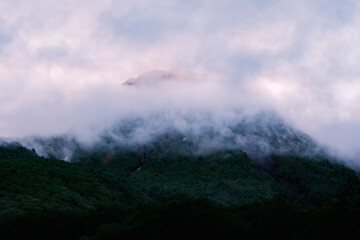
(62, 63)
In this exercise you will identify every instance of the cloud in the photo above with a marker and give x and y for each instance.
(62, 63)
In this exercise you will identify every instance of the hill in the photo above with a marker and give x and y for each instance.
(157, 192)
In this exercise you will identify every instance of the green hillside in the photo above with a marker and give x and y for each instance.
(156, 192)
(33, 184)
(225, 177)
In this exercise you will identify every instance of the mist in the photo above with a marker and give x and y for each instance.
(63, 67)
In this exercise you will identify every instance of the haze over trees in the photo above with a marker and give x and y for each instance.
(220, 194)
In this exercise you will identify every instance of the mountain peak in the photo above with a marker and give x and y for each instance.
(156, 77)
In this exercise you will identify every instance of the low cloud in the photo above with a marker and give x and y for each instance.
(62, 65)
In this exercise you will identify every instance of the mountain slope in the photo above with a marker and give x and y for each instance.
(32, 184)
(159, 191)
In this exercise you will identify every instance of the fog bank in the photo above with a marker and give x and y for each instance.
(63, 65)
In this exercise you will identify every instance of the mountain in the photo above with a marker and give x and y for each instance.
(258, 136)
(175, 173)
(155, 77)
(192, 130)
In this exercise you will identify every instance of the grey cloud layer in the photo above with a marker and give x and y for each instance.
(62, 63)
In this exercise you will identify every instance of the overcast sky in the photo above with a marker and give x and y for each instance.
(63, 62)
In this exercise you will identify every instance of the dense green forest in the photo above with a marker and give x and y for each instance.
(153, 194)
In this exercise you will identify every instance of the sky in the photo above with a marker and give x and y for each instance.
(62, 63)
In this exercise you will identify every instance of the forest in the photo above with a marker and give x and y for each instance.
(217, 195)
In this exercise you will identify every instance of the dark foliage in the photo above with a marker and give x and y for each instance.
(218, 195)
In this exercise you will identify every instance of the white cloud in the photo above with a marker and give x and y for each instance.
(61, 63)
